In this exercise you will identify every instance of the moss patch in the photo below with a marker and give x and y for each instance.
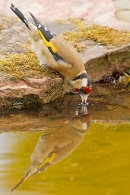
(23, 65)
(101, 34)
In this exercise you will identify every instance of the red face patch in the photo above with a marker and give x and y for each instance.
(87, 90)
(77, 89)
(84, 90)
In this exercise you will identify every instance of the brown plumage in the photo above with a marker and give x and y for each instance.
(56, 144)
(55, 52)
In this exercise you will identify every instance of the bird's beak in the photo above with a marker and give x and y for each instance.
(84, 98)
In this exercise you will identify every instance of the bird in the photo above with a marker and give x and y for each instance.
(54, 145)
(58, 54)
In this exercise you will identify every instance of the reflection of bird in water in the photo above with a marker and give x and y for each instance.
(55, 145)
(58, 54)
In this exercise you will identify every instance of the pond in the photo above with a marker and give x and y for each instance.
(58, 150)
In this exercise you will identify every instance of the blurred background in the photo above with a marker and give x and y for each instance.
(99, 11)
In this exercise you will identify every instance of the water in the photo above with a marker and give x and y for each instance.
(75, 154)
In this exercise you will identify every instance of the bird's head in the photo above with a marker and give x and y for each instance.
(82, 84)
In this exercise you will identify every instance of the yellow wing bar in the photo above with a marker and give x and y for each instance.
(47, 43)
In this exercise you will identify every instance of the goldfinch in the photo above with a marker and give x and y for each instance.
(55, 145)
(55, 52)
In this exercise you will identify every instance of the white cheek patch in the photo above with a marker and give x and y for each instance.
(84, 82)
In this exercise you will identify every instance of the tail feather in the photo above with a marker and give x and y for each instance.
(20, 15)
(26, 176)
(44, 31)
(18, 184)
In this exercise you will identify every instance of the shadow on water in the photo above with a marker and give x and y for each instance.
(88, 159)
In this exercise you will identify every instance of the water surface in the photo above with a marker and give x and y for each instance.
(74, 154)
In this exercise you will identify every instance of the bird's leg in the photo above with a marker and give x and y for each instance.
(84, 108)
(84, 98)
